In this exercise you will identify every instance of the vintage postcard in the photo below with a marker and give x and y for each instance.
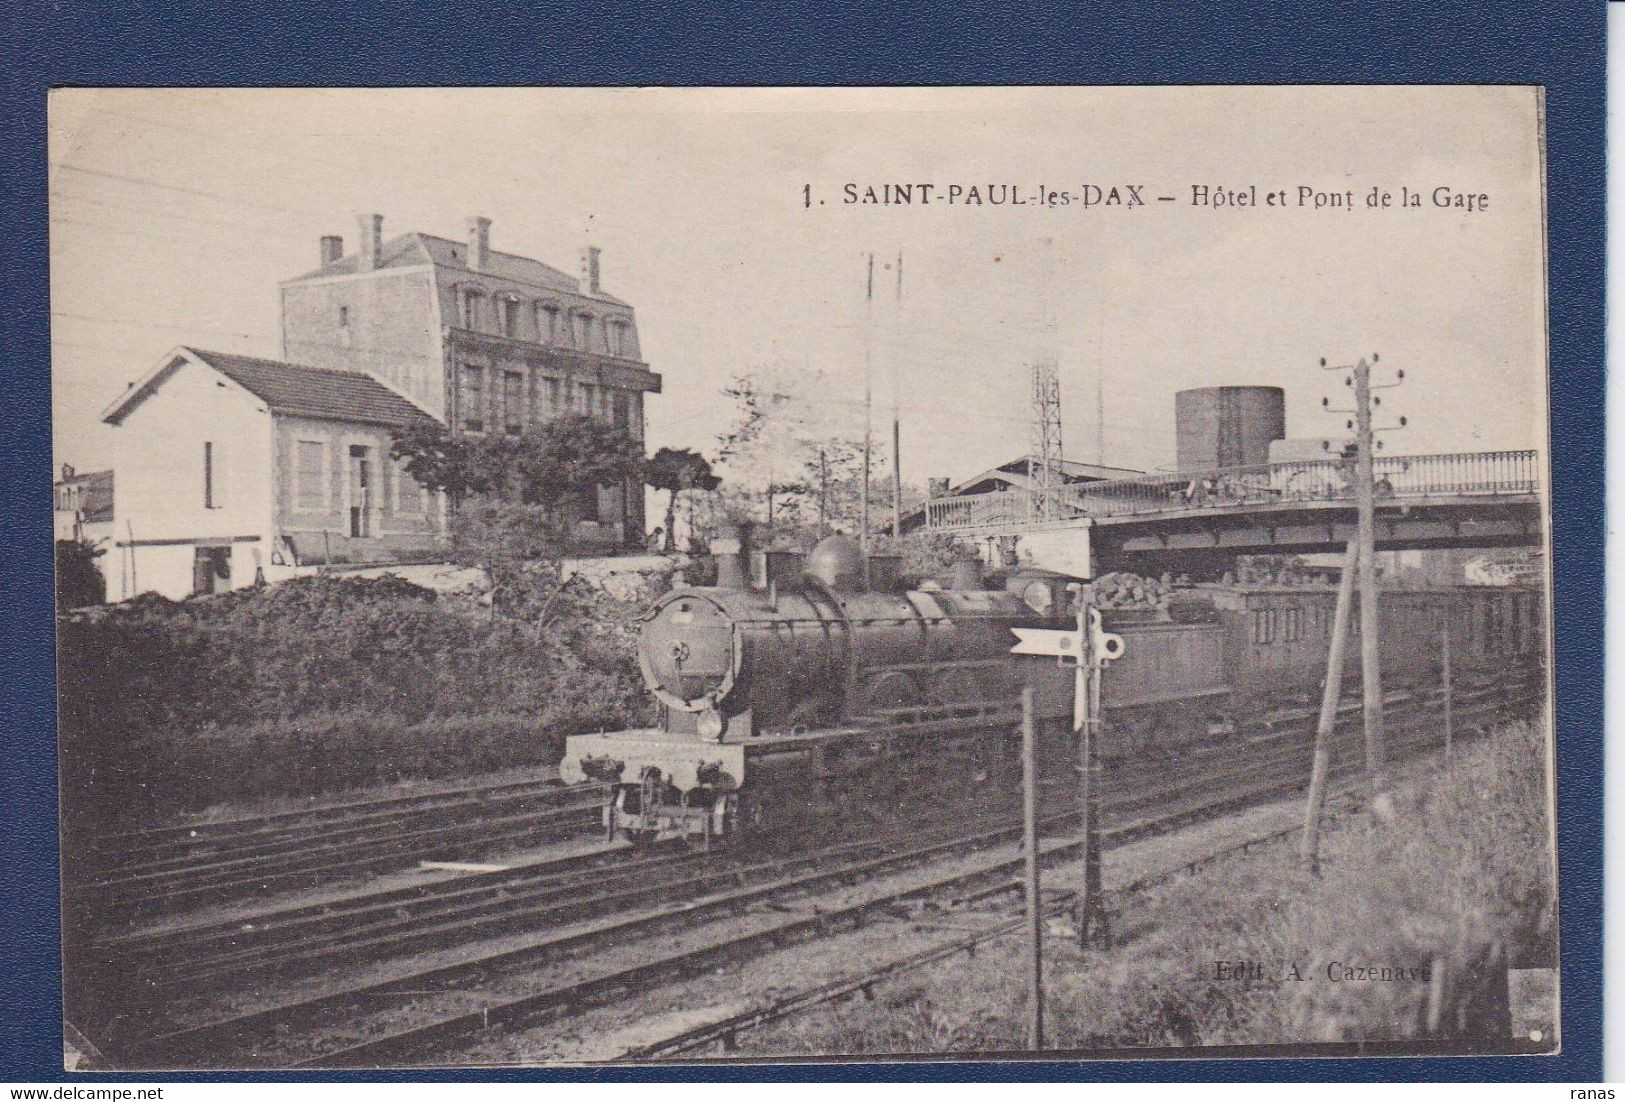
(554, 577)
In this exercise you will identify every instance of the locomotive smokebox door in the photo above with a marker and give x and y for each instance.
(688, 651)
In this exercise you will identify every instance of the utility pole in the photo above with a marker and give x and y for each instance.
(823, 493)
(1100, 415)
(868, 415)
(1449, 702)
(1365, 493)
(1331, 694)
(1035, 903)
(896, 430)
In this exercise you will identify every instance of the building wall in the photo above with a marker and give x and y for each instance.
(161, 505)
(543, 315)
(402, 518)
(383, 322)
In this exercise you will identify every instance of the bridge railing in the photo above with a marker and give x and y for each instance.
(975, 511)
(1408, 476)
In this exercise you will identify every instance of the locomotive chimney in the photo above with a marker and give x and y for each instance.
(731, 549)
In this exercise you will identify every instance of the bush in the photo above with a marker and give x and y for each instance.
(79, 580)
(322, 684)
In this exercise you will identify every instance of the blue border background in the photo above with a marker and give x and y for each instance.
(1335, 41)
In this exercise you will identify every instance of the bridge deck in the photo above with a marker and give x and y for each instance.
(1271, 493)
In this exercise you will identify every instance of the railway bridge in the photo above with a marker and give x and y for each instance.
(1198, 521)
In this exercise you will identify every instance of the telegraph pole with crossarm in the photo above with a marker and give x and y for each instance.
(1365, 494)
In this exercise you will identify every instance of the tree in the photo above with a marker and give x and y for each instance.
(79, 581)
(785, 414)
(676, 470)
(550, 466)
(572, 455)
(440, 461)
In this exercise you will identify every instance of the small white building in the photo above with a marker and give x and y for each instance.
(233, 469)
(83, 506)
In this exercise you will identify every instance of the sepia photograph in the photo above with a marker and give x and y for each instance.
(634, 576)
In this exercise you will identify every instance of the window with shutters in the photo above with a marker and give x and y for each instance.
(513, 397)
(474, 399)
(309, 487)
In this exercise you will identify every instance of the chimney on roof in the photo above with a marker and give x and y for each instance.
(479, 242)
(589, 269)
(372, 239)
(332, 248)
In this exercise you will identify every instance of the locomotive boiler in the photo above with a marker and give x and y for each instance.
(809, 650)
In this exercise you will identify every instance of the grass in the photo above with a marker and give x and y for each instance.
(1465, 864)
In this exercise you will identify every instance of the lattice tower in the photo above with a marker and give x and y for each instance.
(1044, 450)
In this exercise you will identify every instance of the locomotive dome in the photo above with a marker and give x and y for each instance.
(837, 562)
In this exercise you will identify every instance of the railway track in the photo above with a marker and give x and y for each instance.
(172, 868)
(284, 941)
(992, 875)
(726, 1031)
(363, 1020)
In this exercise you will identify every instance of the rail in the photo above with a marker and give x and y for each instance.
(1462, 474)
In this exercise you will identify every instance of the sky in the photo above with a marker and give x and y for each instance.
(175, 213)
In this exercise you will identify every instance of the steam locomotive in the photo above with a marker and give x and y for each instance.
(800, 686)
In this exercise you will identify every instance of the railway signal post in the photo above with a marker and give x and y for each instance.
(1090, 648)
